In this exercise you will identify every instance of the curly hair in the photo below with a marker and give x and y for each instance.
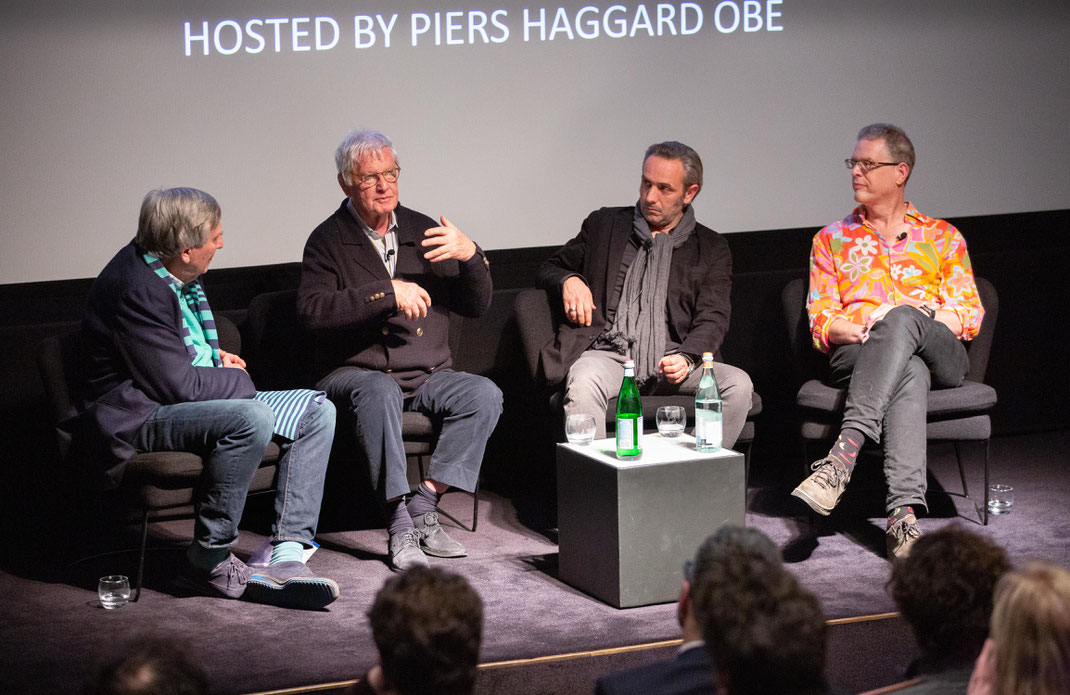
(766, 633)
(944, 590)
(427, 624)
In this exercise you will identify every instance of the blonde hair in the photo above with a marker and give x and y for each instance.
(1031, 629)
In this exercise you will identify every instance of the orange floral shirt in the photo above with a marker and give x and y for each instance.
(854, 270)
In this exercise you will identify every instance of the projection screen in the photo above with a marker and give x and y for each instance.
(514, 119)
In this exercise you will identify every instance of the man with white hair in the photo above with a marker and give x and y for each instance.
(378, 284)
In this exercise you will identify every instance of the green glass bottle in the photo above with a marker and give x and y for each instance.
(629, 416)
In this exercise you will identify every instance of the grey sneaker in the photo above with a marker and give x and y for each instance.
(405, 551)
(434, 540)
(824, 487)
(290, 585)
(901, 536)
(227, 579)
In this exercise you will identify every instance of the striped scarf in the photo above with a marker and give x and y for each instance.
(289, 406)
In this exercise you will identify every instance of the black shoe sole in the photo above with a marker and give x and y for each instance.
(308, 593)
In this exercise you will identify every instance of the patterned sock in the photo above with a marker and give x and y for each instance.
(847, 446)
(423, 501)
(286, 551)
(205, 558)
(399, 517)
(898, 513)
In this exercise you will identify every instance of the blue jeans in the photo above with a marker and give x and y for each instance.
(890, 375)
(467, 404)
(231, 435)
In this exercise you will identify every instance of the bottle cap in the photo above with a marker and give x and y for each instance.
(629, 364)
(707, 357)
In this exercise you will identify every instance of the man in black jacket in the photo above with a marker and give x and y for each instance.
(378, 283)
(646, 282)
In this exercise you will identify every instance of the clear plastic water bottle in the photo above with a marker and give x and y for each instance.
(709, 429)
(629, 416)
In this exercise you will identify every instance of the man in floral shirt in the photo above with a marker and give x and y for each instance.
(892, 297)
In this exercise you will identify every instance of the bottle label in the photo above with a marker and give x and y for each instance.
(629, 433)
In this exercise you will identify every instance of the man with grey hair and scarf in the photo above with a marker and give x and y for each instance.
(645, 282)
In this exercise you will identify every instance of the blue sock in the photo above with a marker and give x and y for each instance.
(205, 558)
(423, 501)
(399, 517)
(286, 551)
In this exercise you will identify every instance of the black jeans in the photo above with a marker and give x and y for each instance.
(889, 377)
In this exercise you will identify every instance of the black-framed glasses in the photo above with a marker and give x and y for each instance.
(369, 180)
(867, 165)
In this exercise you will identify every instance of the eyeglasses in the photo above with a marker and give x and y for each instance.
(867, 165)
(369, 180)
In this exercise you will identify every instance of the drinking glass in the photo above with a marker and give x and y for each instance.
(114, 591)
(671, 420)
(1000, 498)
(579, 429)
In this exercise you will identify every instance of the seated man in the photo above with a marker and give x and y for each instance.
(945, 589)
(764, 631)
(645, 282)
(691, 672)
(427, 625)
(891, 299)
(158, 381)
(378, 283)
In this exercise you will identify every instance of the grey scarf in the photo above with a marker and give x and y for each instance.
(639, 323)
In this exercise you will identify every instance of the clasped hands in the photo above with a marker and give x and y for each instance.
(447, 243)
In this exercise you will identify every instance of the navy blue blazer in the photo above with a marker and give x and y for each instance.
(136, 361)
(690, 673)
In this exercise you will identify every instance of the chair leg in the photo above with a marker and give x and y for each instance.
(983, 513)
(141, 554)
(986, 483)
(962, 469)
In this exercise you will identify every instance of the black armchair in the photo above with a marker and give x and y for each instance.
(278, 355)
(156, 485)
(958, 415)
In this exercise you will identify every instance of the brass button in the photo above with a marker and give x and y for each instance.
(386, 331)
(388, 370)
(419, 331)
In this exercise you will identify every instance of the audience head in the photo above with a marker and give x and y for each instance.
(766, 633)
(149, 667)
(427, 625)
(1031, 631)
(944, 588)
(174, 220)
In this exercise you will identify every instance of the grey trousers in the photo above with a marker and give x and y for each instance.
(889, 377)
(467, 404)
(595, 377)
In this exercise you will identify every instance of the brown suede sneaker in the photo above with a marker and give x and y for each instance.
(824, 487)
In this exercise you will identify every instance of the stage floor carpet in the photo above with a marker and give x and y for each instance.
(52, 628)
